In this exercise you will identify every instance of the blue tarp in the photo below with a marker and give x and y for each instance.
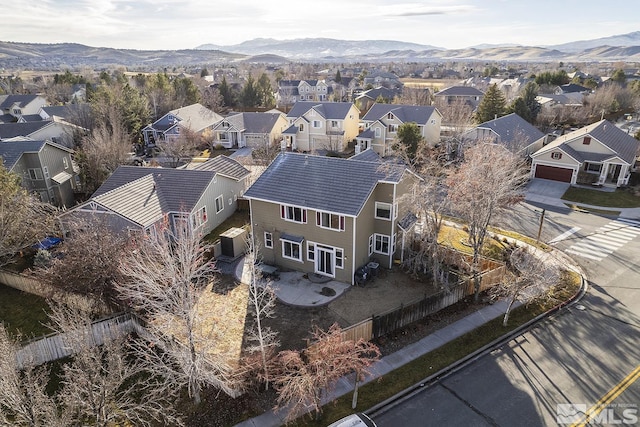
(47, 243)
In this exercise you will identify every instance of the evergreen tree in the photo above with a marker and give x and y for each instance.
(228, 98)
(250, 98)
(409, 136)
(526, 105)
(265, 91)
(338, 78)
(493, 105)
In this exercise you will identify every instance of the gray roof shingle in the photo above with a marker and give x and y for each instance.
(11, 151)
(254, 122)
(328, 110)
(460, 91)
(225, 166)
(419, 114)
(11, 130)
(321, 183)
(511, 127)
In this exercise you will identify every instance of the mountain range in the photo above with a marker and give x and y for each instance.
(623, 47)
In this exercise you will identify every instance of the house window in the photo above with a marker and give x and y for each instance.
(390, 116)
(268, 240)
(334, 123)
(330, 221)
(433, 122)
(339, 258)
(35, 173)
(586, 140)
(291, 250)
(170, 118)
(311, 251)
(301, 127)
(293, 214)
(65, 163)
(219, 204)
(46, 172)
(393, 128)
(383, 211)
(317, 124)
(381, 244)
(556, 155)
(200, 217)
(378, 132)
(593, 167)
(370, 245)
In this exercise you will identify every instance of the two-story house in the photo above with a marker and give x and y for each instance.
(600, 153)
(321, 126)
(512, 131)
(327, 215)
(13, 107)
(383, 120)
(292, 91)
(137, 198)
(459, 94)
(195, 118)
(249, 130)
(46, 168)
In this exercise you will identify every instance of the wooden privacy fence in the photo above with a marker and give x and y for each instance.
(380, 325)
(57, 346)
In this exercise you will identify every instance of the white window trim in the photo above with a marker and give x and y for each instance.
(284, 242)
(341, 221)
(384, 205)
(382, 237)
(221, 199)
(371, 245)
(311, 251)
(285, 216)
(268, 240)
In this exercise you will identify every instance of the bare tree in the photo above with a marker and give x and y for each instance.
(24, 400)
(102, 385)
(88, 261)
(302, 377)
(262, 300)
(184, 147)
(413, 96)
(488, 180)
(533, 275)
(164, 278)
(24, 220)
(104, 150)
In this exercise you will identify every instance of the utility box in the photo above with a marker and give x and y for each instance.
(233, 242)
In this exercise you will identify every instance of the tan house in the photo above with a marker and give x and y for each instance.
(14, 107)
(600, 154)
(327, 215)
(195, 118)
(321, 126)
(252, 130)
(383, 120)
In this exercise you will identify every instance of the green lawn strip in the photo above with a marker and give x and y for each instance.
(417, 370)
(621, 198)
(23, 313)
(593, 210)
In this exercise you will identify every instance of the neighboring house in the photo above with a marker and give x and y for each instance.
(382, 78)
(366, 99)
(13, 107)
(60, 132)
(599, 153)
(571, 88)
(194, 118)
(292, 91)
(464, 94)
(327, 215)
(144, 199)
(383, 120)
(321, 126)
(551, 103)
(45, 168)
(72, 113)
(511, 130)
(249, 129)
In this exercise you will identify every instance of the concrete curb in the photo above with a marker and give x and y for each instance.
(389, 403)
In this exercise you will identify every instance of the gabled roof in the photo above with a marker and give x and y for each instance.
(177, 189)
(419, 114)
(11, 130)
(511, 127)
(328, 110)
(459, 91)
(622, 145)
(224, 166)
(382, 91)
(138, 201)
(195, 117)
(254, 122)
(11, 150)
(6, 101)
(66, 111)
(330, 184)
(572, 87)
(367, 134)
(367, 155)
(288, 83)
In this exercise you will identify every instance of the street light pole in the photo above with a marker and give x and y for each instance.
(540, 227)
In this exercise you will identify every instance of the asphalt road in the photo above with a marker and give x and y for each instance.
(587, 356)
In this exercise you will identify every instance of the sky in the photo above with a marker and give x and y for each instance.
(186, 24)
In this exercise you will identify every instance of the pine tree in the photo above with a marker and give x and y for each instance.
(493, 105)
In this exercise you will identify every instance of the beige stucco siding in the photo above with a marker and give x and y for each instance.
(230, 190)
(593, 147)
(564, 161)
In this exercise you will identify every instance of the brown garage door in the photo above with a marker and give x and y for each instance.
(554, 173)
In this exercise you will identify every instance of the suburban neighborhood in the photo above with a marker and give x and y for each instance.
(261, 243)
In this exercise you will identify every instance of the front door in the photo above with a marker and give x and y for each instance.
(325, 260)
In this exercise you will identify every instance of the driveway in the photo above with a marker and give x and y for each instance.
(547, 187)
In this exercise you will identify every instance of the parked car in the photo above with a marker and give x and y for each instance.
(354, 420)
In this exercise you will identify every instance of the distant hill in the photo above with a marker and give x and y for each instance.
(624, 47)
(311, 48)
